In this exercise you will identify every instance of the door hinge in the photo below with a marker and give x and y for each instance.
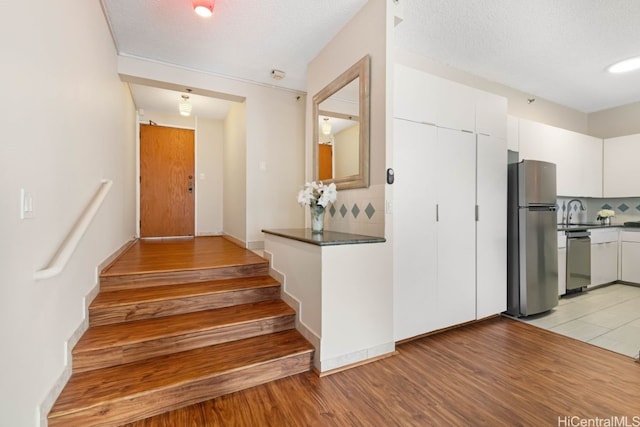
(477, 213)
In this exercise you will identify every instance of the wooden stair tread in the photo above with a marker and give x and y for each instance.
(158, 256)
(184, 290)
(93, 388)
(249, 262)
(121, 334)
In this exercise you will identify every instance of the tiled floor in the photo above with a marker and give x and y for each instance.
(608, 317)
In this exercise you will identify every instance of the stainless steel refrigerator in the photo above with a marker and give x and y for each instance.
(532, 238)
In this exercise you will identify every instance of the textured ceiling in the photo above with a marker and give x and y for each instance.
(166, 102)
(554, 49)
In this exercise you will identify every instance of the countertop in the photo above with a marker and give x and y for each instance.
(326, 238)
(591, 226)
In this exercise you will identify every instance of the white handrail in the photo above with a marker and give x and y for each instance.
(68, 246)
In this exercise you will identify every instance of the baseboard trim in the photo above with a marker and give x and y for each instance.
(439, 331)
(235, 240)
(301, 327)
(354, 365)
(58, 385)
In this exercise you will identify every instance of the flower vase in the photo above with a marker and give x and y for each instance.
(605, 221)
(317, 218)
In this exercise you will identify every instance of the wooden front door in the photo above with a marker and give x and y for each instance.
(325, 161)
(167, 193)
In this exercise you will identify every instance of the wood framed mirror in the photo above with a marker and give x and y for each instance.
(341, 129)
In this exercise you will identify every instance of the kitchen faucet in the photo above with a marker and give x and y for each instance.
(569, 209)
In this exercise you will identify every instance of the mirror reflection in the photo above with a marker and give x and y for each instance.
(341, 135)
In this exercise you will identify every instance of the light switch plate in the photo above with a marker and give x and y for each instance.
(26, 205)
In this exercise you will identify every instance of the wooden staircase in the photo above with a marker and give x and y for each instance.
(157, 342)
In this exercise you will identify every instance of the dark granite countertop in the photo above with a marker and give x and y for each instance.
(579, 227)
(326, 238)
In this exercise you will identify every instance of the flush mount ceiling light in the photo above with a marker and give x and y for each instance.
(326, 127)
(185, 106)
(203, 8)
(625, 66)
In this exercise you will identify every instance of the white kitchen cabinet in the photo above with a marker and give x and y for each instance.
(424, 98)
(604, 263)
(604, 256)
(578, 157)
(456, 106)
(621, 173)
(629, 256)
(491, 232)
(415, 96)
(415, 229)
(562, 263)
(456, 226)
(491, 111)
(448, 268)
(434, 228)
(538, 142)
(513, 130)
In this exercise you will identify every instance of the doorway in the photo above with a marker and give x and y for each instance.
(167, 184)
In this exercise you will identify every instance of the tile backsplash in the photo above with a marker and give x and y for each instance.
(626, 209)
(360, 211)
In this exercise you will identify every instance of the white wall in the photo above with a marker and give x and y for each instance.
(209, 173)
(274, 159)
(347, 153)
(234, 173)
(614, 122)
(209, 134)
(275, 162)
(68, 122)
(365, 34)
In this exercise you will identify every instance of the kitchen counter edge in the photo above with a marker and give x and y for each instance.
(326, 238)
(580, 227)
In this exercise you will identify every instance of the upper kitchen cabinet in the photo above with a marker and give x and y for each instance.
(415, 95)
(513, 130)
(491, 111)
(578, 157)
(424, 98)
(621, 172)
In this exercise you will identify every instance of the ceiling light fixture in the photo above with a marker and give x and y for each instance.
(326, 127)
(185, 106)
(203, 8)
(625, 66)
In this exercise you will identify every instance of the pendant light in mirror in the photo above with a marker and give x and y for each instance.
(185, 106)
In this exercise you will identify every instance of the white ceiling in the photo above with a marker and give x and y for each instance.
(552, 49)
(166, 101)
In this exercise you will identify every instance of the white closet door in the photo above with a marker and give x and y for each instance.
(491, 227)
(456, 226)
(415, 289)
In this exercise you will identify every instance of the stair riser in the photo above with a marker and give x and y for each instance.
(112, 283)
(149, 310)
(135, 408)
(112, 356)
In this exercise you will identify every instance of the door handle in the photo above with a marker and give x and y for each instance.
(190, 186)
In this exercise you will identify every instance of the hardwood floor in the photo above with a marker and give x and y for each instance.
(494, 373)
(164, 255)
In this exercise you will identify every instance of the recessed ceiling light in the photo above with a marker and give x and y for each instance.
(625, 66)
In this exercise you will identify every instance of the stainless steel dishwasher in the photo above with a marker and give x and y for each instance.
(578, 260)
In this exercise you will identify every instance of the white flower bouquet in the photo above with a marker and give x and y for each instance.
(605, 213)
(316, 193)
